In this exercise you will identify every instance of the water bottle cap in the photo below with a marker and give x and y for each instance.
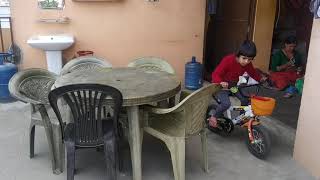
(193, 59)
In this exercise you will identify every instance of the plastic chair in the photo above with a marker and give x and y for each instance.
(84, 63)
(33, 86)
(95, 110)
(174, 125)
(152, 64)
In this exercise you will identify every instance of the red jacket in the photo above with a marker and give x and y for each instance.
(229, 70)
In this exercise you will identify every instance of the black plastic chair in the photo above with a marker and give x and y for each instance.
(95, 109)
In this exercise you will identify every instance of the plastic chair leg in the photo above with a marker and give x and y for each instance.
(31, 139)
(177, 151)
(70, 147)
(48, 131)
(111, 156)
(204, 142)
(59, 152)
(32, 127)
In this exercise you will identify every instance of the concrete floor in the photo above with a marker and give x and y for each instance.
(287, 109)
(228, 156)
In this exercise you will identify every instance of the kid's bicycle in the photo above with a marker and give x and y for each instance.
(258, 139)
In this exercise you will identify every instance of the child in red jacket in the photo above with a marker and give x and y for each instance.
(228, 71)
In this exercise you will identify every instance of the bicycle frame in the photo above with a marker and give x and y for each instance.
(247, 118)
(247, 112)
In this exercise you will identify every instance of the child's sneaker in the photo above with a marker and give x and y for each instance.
(287, 95)
(213, 122)
(290, 91)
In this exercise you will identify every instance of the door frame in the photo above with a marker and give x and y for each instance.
(250, 31)
(252, 18)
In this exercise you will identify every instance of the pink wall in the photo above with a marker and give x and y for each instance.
(117, 31)
(307, 146)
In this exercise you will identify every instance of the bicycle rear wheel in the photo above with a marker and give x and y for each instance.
(225, 125)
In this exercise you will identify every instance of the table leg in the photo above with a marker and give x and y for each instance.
(135, 141)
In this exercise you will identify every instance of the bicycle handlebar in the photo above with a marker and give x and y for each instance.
(240, 90)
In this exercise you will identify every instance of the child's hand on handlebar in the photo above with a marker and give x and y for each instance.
(224, 85)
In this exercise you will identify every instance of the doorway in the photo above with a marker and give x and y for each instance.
(229, 23)
(293, 18)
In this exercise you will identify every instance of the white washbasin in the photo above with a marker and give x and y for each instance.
(51, 42)
(53, 46)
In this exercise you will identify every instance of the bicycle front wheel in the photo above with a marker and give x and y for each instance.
(261, 145)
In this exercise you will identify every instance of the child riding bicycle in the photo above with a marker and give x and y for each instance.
(228, 71)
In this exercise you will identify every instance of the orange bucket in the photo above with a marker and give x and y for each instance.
(262, 106)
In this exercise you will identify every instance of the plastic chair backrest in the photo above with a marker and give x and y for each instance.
(193, 108)
(152, 64)
(32, 85)
(89, 104)
(85, 63)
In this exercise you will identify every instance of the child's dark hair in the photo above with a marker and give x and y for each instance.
(291, 40)
(248, 49)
